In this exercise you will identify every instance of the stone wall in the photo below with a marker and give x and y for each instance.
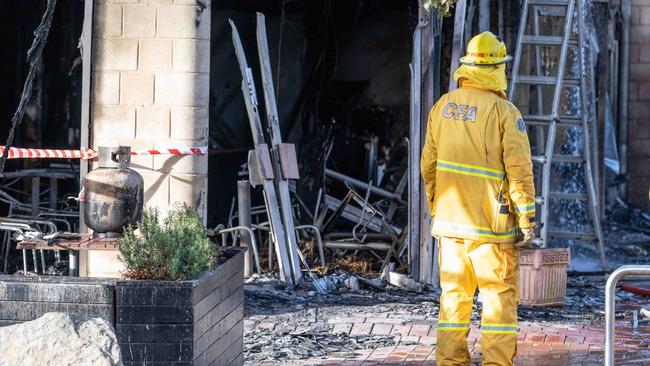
(151, 88)
(639, 109)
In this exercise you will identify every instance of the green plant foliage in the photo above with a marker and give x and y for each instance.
(176, 249)
(442, 7)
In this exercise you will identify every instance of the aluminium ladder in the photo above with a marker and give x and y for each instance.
(554, 120)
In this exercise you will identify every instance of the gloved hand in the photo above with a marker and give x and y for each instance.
(525, 238)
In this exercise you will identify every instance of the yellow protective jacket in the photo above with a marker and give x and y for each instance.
(476, 161)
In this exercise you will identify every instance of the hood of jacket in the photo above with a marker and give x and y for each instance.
(484, 77)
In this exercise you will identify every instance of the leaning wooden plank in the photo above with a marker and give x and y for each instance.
(414, 159)
(429, 93)
(270, 198)
(276, 140)
(457, 44)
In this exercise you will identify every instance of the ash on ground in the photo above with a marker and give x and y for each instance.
(290, 324)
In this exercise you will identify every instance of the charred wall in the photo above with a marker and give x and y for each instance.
(342, 77)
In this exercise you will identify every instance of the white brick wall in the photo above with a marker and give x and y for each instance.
(151, 65)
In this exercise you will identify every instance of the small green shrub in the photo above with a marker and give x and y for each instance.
(442, 7)
(176, 249)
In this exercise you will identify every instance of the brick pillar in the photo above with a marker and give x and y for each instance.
(639, 108)
(151, 90)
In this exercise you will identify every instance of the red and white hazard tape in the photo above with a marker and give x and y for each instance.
(20, 153)
(201, 150)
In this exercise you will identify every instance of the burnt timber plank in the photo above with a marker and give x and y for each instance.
(226, 358)
(58, 280)
(219, 313)
(153, 333)
(238, 361)
(208, 303)
(212, 280)
(56, 292)
(151, 314)
(153, 352)
(157, 363)
(6, 323)
(218, 348)
(202, 343)
(25, 310)
(127, 294)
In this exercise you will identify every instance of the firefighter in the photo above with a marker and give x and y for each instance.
(477, 171)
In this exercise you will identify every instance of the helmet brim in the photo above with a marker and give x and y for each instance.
(476, 61)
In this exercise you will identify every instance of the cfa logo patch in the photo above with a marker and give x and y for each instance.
(521, 125)
(467, 112)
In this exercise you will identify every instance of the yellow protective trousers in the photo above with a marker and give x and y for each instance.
(494, 268)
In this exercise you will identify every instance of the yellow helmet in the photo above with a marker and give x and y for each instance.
(485, 49)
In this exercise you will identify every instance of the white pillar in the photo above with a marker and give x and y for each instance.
(150, 89)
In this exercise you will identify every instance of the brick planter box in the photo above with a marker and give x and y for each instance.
(543, 276)
(194, 322)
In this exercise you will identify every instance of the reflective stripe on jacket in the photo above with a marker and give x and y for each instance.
(477, 167)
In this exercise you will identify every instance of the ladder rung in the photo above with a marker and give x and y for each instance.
(549, 2)
(551, 12)
(559, 158)
(544, 120)
(539, 159)
(547, 40)
(569, 196)
(545, 80)
(569, 158)
(572, 235)
(563, 196)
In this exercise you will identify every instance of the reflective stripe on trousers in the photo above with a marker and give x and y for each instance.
(493, 268)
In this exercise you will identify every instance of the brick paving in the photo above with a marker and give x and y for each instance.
(539, 344)
(390, 328)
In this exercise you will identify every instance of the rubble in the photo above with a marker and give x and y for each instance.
(287, 324)
(404, 282)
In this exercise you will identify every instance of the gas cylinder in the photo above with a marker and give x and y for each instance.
(114, 193)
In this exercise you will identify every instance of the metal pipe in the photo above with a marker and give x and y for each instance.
(319, 240)
(623, 96)
(73, 265)
(610, 310)
(370, 236)
(356, 246)
(253, 243)
(36, 195)
(18, 230)
(35, 261)
(363, 185)
(245, 220)
(318, 199)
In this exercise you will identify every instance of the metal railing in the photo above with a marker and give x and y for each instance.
(610, 311)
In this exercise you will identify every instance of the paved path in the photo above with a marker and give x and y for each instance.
(539, 344)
